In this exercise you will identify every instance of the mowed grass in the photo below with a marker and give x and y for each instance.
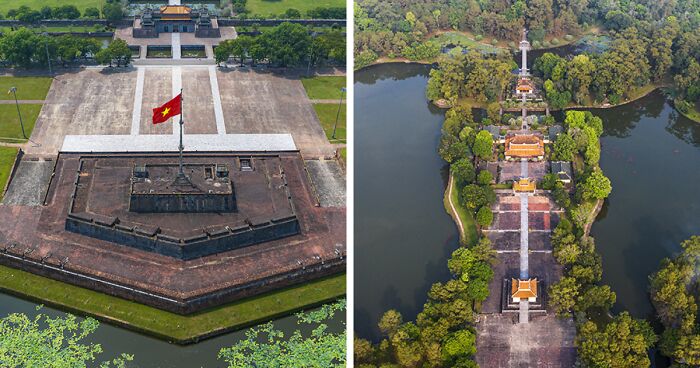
(470, 235)
(28, 88)
(327, 114)
(175, 327)
(6, 5)
(7, 158)
(324, 88)
(10, 129)
(277, 7)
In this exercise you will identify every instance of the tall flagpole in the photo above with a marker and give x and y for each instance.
(182, 147)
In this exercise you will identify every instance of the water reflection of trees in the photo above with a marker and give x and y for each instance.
(619, 121)
(393, 71)
(683, 128)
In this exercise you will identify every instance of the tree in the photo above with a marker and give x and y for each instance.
(390, 322)
(267, 344)
(458, 344)
(222, 52)
(484, 216)
(113, 12)
(91, 12)
(483, 145)
(564, 148)
(597, 296)
(287, 44)
(27, 342)
(622, 343)
(474, 196)
(596, 186)
(484, 177)
(463, 171)
(563, 295)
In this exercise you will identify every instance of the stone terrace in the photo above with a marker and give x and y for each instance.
(34, 238)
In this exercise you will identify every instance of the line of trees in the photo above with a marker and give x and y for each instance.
(24, 48)
(675, 290)
(286, 45)
(112, 10)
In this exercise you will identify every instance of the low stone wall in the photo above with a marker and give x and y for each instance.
(151, 240)
(228, 22)
(299, 275)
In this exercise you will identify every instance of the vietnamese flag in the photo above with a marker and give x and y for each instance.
(167, 111)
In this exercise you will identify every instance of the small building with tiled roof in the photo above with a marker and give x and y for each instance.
(175, 19)
(527, 146)
(523, 290)
(562, 169)
(524, 185)
(553, 133)
(524, 86)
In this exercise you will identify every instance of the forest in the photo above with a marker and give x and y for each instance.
(653, 44)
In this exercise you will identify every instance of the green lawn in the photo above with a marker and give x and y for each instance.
(6, 5)
(167, 325)
(9, 121)
(324, 88)
(277, 7)
(470, 236)
(28, 88)
(7, 158)
(326, 114)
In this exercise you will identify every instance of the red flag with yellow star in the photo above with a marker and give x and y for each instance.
(167, 111)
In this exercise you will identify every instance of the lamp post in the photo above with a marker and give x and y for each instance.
(14, 91)
(337, 115)
(46, 44)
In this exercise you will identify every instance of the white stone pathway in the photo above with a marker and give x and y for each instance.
(524, 243)
(138, 99)
(218, 110)
(175, 43)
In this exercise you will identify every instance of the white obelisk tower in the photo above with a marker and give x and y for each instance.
(524, 47)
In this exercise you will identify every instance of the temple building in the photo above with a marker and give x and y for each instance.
(524, 87)
(526, 146)
(562, 169)
(173, 19)
(523, 290)
(524, 185)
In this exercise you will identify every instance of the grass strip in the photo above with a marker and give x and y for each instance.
(166, 325)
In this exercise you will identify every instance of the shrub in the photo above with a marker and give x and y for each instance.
(478, 37)
(484, 217)
(555, 41)
(494, 42)
(568, 37)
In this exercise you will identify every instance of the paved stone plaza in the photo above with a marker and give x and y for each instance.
(113, 101)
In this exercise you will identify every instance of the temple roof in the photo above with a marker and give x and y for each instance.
(526, 145)
(524, 185)
(523, 289)
(175, 10)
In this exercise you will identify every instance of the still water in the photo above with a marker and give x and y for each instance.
(404, 236)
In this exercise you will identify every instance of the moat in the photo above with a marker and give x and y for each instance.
(648, 152)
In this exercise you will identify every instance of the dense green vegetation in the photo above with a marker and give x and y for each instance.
(443, 334)
(160, 323)
(10, 128)
(57, 342)
(324, 87)
(675, 290)
(265, 344)
(286, 45)
(28, 88)
(7, 159)
(25, 48)
(327, 114)
(318, 9)
(32, 11)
